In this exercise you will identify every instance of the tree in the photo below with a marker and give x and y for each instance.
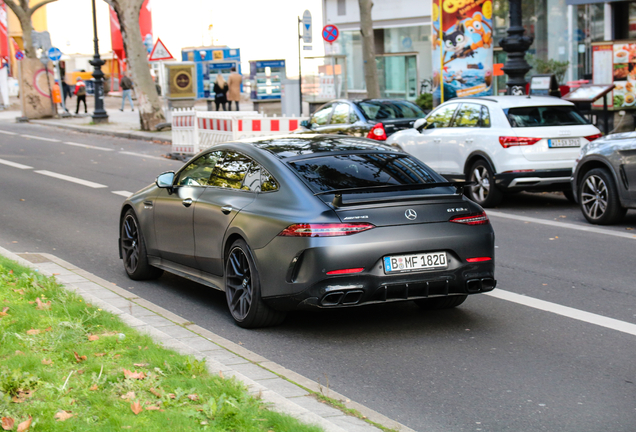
(368, 49)
(24, 12)
(150, 112)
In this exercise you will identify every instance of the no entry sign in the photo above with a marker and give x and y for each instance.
(330, 33)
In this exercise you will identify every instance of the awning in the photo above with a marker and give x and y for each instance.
(584, 2)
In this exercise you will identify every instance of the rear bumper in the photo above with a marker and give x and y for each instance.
(536, 180)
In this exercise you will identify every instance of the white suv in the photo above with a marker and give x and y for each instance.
(501, 143)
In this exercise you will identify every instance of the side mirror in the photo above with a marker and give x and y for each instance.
(305, 124)
(165, 180)
(419, 124)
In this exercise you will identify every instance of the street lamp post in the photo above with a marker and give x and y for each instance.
(515, 45)
(99, 115)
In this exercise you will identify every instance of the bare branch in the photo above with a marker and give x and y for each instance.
(39, 5)
(16, 8)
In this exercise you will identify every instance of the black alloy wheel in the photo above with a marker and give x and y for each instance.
(133, 250)
(243, 290)
(598, 198)
(483, 192)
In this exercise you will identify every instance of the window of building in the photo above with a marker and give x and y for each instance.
(342, 7)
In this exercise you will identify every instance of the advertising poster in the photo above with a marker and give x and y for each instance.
(463, 49)
(624, 75)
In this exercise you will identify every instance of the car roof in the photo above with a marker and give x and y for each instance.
(288, 146)
(505, 102)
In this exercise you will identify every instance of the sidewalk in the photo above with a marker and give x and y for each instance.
(285, 390)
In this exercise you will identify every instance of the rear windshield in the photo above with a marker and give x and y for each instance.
(386, 110)
(362, 170)
(545, 116)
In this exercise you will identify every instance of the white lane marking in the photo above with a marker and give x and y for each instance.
(561, 224)
(14, 164)
(7, 132)
(142, 155)
(125, 194)
(39, 138)
(87, 146)
(565, 311)
(71, 179)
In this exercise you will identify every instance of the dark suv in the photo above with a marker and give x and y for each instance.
(371, 118)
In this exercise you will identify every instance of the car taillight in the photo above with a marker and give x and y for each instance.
(593, 137)
(510, 141)
(377, 132)
(345, 271)
(478, 259)
(474, 219)
(324, 230)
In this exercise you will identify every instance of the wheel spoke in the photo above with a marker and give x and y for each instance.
(234, 262)
(478, 175)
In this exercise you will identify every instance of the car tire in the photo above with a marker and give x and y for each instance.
(243, 290)
(598, 198)
(484, 192)
(437, 303)
(133, 250)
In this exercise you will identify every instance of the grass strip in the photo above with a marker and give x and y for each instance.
(66, 365)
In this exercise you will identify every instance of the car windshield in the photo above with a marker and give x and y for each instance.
(545, 116)
(345, 171)
(386, 110)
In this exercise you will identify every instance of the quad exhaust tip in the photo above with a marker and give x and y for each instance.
(347, 298)
(480, 285)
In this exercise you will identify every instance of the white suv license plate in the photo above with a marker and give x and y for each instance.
(423, 261)
(564, 142)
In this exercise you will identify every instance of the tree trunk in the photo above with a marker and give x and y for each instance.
(368, 49)
(149, 104)
(27, 40)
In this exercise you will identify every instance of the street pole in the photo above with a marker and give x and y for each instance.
(300, 74)
(515, 45)
(99, 115)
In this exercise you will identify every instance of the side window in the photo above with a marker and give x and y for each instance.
(485, 117)
(467, 116)
(441, 117)
(353, 117)
(252, 179)
(340, 114)
(321, 116)
(268, 183)
(230, 171)
(198, 172)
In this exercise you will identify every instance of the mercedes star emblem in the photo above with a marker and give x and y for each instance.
(410, 214)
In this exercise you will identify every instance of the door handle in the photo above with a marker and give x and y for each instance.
(226, 209)
(187, 202)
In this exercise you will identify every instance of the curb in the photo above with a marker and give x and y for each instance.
(119, 134)
(284, 390)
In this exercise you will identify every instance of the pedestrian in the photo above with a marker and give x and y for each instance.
(126, 86)
(56, 94)
(220, 92)
(66, 93)
(234, 86)
(80, 92)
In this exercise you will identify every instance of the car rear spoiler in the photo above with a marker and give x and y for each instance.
(338, 202)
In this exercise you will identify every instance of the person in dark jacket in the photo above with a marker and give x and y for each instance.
(126, 85)
(220, 92)
(80, 92)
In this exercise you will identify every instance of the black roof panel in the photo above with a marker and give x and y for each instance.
(306, 145)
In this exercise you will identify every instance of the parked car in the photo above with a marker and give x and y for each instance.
(372, 118)
(604, 178)
(311, 221)
(501, 143)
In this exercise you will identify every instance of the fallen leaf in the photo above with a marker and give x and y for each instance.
(48, 329)
(79, 358)
(4, 311)
(563, 216)
(25, 425)
(117, 356)
(93, 338)
(18, 352)
(7, 423)
(193, 397)
(152, 408)
(129, 395)
(629, 228)
(136, 408)
(19, 291)
(93, 387)
(221, 374)
(172, 395)
(41, 305)
(99, 354)
(47, 362)
(63, 415)
(134, 375)
(81, 371)
(33, 331)
(155, 392)
(141, 364)
(31, 302)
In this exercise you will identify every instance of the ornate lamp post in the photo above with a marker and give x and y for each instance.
(515, 45)
(99, 115)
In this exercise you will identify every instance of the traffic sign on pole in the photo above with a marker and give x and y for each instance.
(54, 54)
(19, 55)
(330, 33)
(160, 52)
(307, 27)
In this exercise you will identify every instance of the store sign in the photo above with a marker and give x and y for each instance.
(462, 48)
(181, 81)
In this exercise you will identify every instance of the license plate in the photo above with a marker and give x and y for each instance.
(564, 142)
(421, 261)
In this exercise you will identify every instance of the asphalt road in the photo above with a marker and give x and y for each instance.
(489, 365)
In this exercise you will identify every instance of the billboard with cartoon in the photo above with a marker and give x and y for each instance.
(462, 49)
